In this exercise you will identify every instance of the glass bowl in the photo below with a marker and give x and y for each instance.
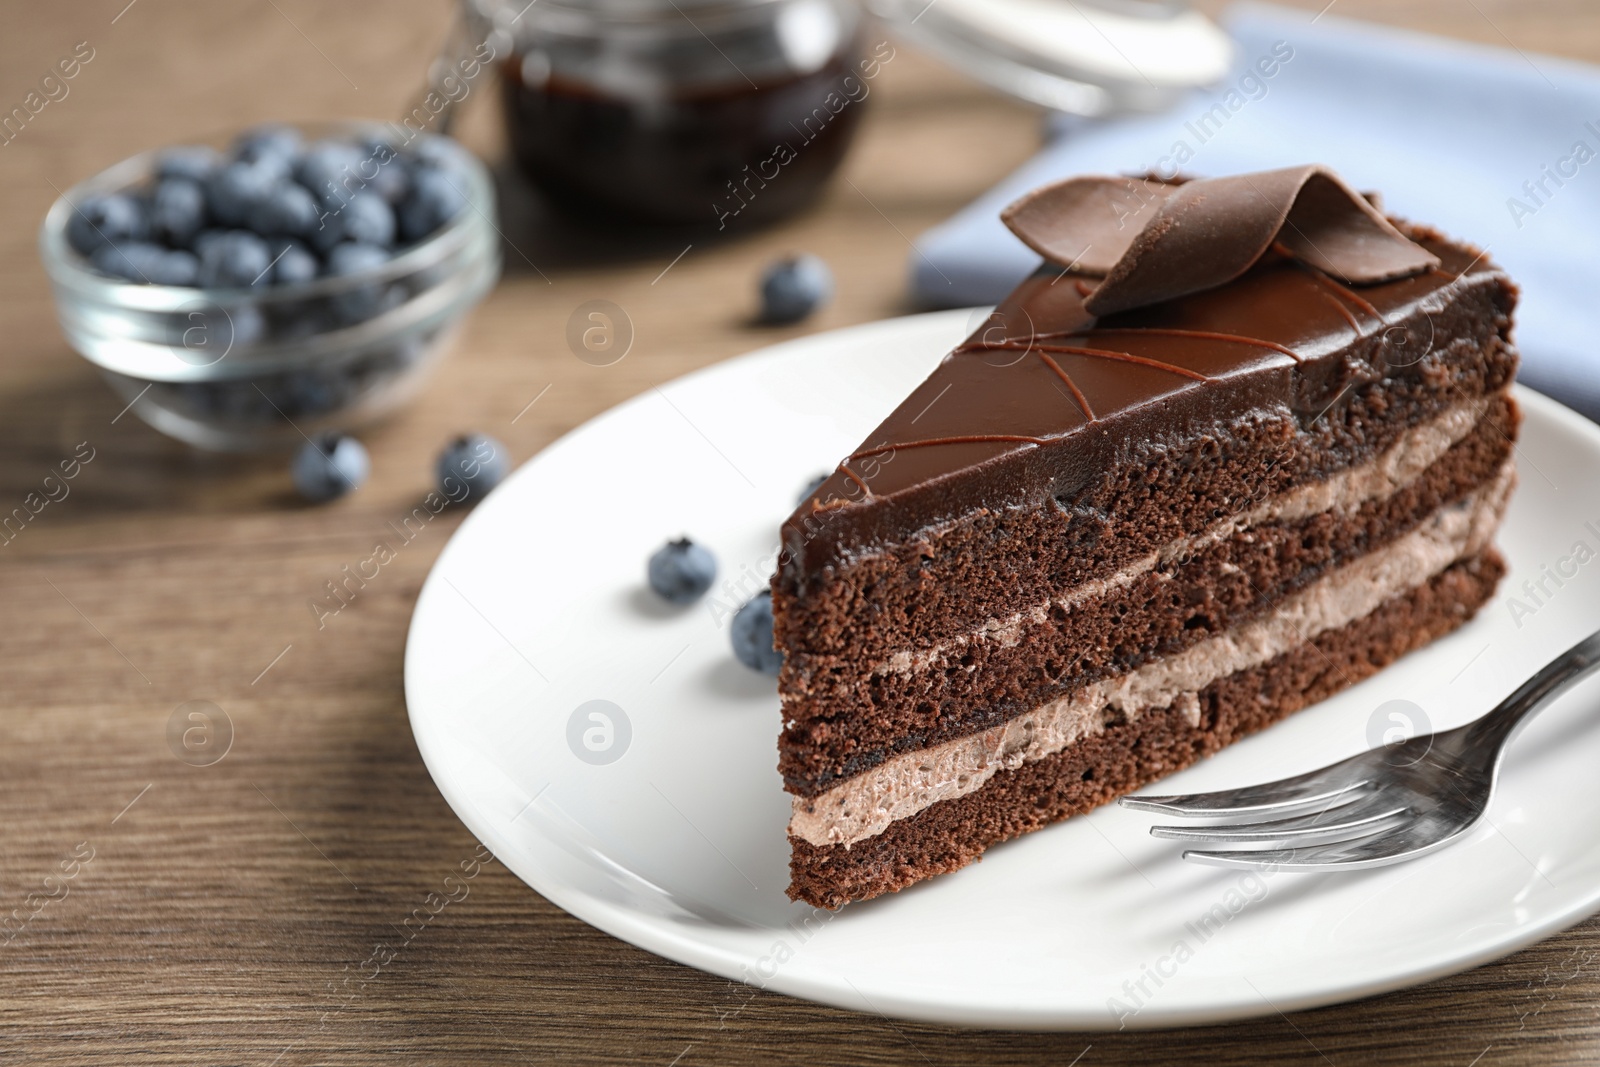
(263, 368)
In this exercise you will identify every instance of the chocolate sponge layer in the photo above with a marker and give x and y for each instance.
(1127, 755)
(946, 581)
(844, 716)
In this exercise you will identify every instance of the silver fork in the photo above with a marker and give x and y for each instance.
(1384, 806)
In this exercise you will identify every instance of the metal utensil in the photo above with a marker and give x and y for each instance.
(1386, 805)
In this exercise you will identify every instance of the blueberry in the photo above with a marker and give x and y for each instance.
(292, 262)
(331, 170)
(440, 153)
(363, 217)
(174, 266)
(177, 210)
(235, 260)
(194, 162)
(268, 141)
(681, 571)
(205, 238)
(327, 156)
(793, 288)
(286, 209)
(436, 197)
(234, 192)
(751, 635)
(328, 232)
(473, 460)
(367, 219)
(389, 173)
(365, 302)
(348, 260)
(329, 466)
(129, 260)
(100, 220)
(246, 325)
(811, 488)
(351, 258)
(300, 320)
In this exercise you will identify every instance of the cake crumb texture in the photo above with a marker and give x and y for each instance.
(1129, 755)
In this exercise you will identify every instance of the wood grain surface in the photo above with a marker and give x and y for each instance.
(226, 914)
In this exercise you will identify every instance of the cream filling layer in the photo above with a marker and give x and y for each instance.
(902, 786)
(1344, 492)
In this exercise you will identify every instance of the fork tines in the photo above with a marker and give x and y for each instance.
(1304, 823)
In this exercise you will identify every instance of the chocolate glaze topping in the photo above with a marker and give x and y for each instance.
(1045, 394)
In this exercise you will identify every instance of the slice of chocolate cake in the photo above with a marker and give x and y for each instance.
(1238, 444)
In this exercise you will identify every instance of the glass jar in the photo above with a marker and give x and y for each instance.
(714, 112)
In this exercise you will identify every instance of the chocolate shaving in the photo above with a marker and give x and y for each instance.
(1155, 241)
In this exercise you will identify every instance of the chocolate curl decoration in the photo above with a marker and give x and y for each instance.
(1156, 241)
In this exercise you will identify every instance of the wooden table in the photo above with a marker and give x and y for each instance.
(225, 908)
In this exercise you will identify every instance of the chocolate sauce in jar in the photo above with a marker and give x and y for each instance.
(715, 142)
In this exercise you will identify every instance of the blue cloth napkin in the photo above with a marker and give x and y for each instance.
(1496, 147)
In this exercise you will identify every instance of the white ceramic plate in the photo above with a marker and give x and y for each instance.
(537, 607)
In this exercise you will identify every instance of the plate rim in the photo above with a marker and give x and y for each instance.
(666, 940)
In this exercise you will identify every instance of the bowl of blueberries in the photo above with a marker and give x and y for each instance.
(247, 294)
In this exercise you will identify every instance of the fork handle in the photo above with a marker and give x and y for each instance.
(1555, 678)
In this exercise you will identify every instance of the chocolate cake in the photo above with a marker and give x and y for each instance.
(1238, 444)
